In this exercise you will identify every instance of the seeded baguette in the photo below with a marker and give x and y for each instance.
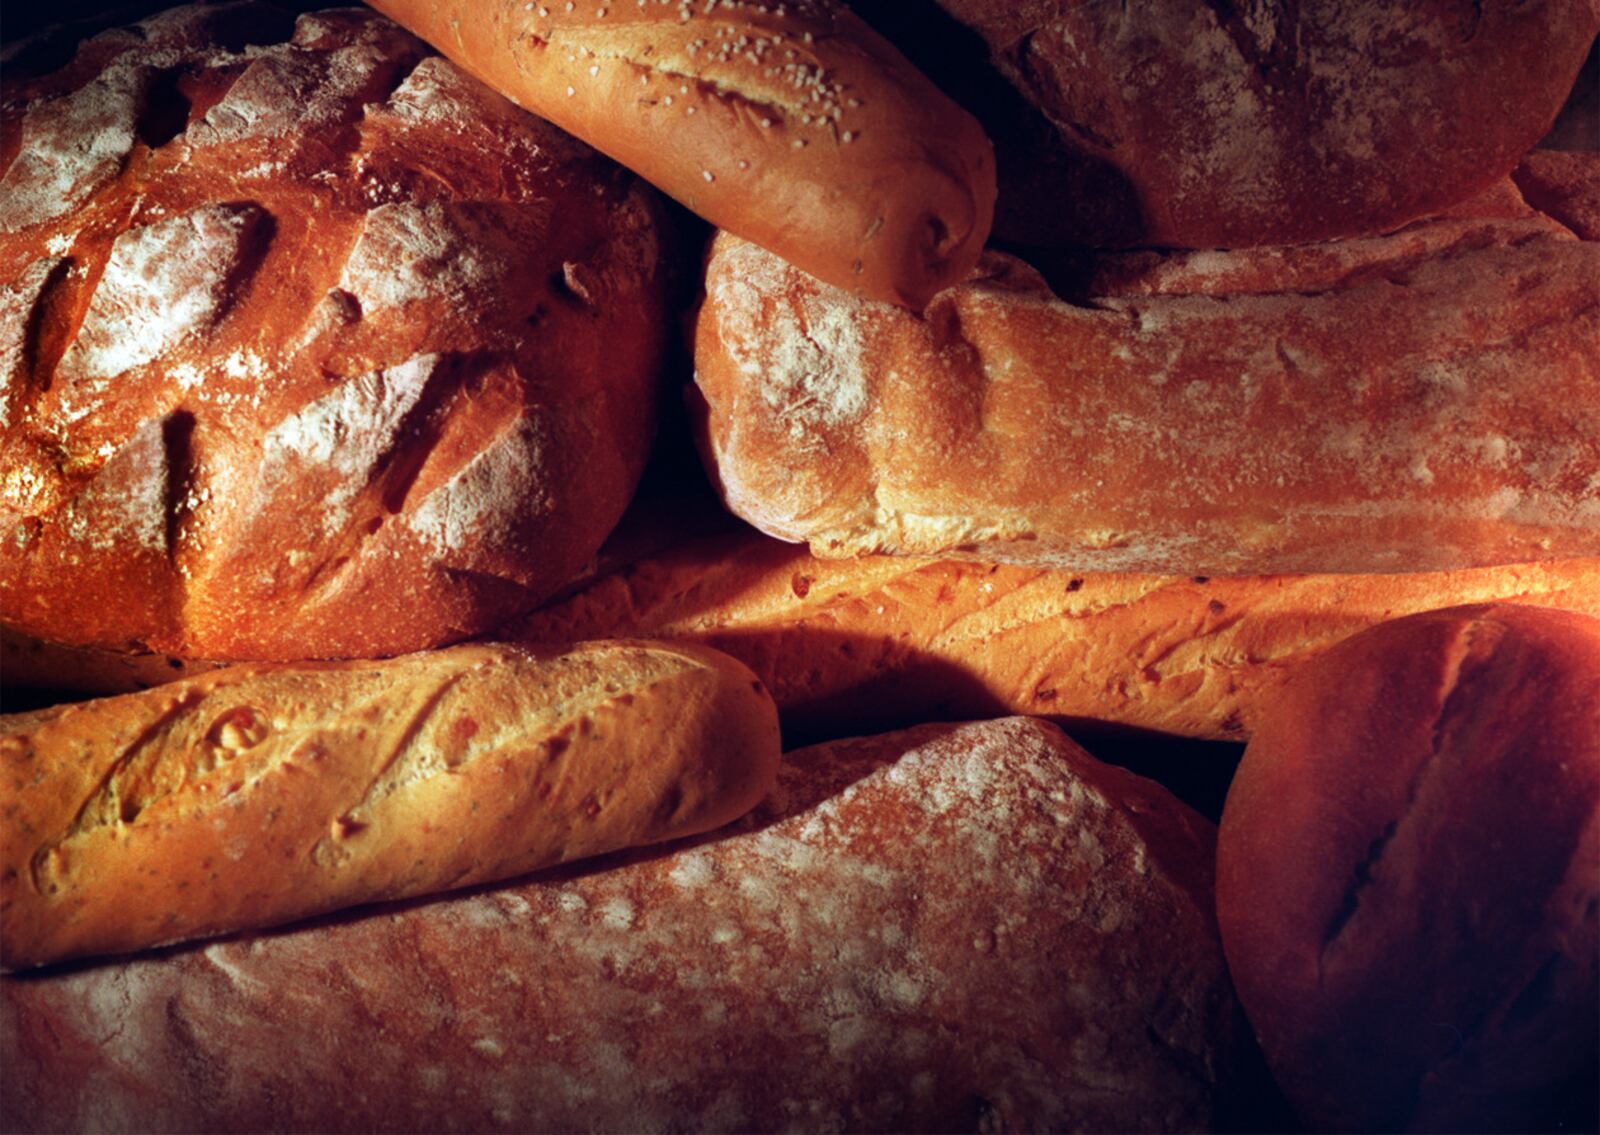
(792, 124)
(261, 794)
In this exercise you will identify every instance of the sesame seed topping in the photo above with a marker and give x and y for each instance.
(571, 91)
(707, 174)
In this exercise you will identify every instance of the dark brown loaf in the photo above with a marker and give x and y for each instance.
(957, 928)
(1423, 401)
(261, 794)
(1198, 124)
(792, 124)
(313, 346)
(1409, 873)
(1564, 185)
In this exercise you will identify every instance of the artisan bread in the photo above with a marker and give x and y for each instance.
(792, 124)
(1423, 401)
(312, 345)
(879, 641)
(958, 928)
(1195, 124)
(260, 794)
(1409, 873)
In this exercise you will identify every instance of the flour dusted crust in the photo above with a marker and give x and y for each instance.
(310, 345)
(956, 928)
(1428, 400)
(1203, 124)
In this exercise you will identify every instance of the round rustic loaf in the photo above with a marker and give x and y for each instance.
(312, 345)
(1408, 872)
(1198, 124)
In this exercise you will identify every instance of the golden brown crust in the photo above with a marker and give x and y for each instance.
(1201, 124)
(955, 928)
(262, 794)
(321, 349)
(1409, 872)
(875, 642)
(1424, 401)
(792, 124)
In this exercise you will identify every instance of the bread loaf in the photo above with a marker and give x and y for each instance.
(958, 928)
(792, 124)
(1409, 873)
(312, 345)
(1198, 124)
(1424, 401)
(879, 641)
(261, 794)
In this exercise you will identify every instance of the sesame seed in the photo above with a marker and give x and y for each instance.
(571, 91)
(595, 70)
(849, 135)
(705, 173)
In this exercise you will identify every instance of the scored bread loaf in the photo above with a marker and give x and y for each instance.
(970, 927)
(879, 641)
(1428, 400)
(792, 123)
(260, 794)
(1197, 124)
(313, 346)
(1408, 874)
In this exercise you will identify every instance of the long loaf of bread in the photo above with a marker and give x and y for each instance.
(962, 928)
(256, 795)
(792, 124)
(1423, 401)
(880, 641)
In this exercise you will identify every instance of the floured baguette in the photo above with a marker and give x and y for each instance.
(1423, 401)
(958, 928)
(792, 124)
(261, 794)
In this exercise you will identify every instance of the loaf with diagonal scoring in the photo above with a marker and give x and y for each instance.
(260, 794)
(789, 122)
(1428, 400)
(957, 928)
(310, 345)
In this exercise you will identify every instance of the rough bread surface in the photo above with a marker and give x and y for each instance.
(1428, 400)
(310, 344)
(1211, 124)
(956, 928)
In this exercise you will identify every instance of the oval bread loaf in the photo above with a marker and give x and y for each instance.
(313, 346)
(792, 124)
(1408, 874)
(261, 794)
(1428, 400)
(1199, 124)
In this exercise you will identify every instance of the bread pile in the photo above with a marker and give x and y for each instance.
(330, 364)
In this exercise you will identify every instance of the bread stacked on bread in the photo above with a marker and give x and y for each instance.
(312, 347)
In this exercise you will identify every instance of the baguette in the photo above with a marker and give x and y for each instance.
(877, 642)
(792, 124)
(1423, 401)
(958, 928)
(260, 794)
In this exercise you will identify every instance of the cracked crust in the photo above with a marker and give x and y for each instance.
(1408, 877)
(335, 353)
(1428, 400)
(261, 794)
